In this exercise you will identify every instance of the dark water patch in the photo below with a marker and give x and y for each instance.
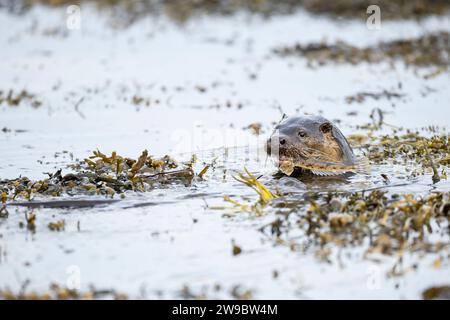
(72, 204)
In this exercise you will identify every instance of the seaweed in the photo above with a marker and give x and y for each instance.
(237, 292)
(386, 224)
(429, 50)
(14, 99)
(255, 128)
(391, 9)
(105, 175)
(437, 293)
(360, 97)
(58, 292)
(57, 225)
(265, 195)
(419, 153)
(237, 250)
(126, 13)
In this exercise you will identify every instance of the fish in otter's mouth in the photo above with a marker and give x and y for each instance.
(312, 143)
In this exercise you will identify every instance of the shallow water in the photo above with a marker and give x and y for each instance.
(152, 244)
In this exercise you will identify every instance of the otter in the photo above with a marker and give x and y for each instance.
(311, 143)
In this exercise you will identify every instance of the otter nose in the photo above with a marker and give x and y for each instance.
(276, 143)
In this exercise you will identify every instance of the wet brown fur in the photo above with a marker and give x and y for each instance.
(317, 148)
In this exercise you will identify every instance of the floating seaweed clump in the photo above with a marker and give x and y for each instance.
(237, 292)
(390, 9)
(57, 292)
(124, 12)
(362, 96)
(57, 225)
(14, 99)
(387, 224)
(430, 50)
(437, 293)
(419, 154)
(102, 175)
(182, 10)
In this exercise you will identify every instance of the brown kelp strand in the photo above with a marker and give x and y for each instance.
(100, 174)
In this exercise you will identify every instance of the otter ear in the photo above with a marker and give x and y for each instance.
(326, 127)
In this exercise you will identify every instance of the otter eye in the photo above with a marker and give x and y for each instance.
(302, 134)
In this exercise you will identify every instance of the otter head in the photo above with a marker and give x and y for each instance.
(309, 139)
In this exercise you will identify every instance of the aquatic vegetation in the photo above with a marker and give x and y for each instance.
(430, 50)
(418, 154)
(182, 10)
(385, 224)
(3, 212)
(100, 174)
(439, 293)
(57, 225)
(58, 292)
(255, 128)
(237, 250)
(237, 292)
(310, 216)
(14, 99)
(382, 222)
(265, 195)
(391, 9)
(30, 218)
(125, 13)
(362, 96)
(138, 100)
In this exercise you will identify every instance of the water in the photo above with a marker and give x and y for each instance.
(189, 74)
